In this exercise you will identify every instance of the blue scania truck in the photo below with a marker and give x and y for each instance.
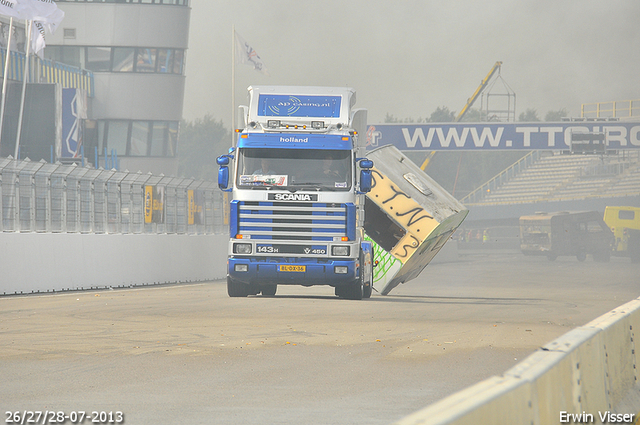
(298, 178)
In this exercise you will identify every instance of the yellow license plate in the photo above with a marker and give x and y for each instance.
(293, 268)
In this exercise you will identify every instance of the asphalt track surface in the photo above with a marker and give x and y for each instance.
(190, 354)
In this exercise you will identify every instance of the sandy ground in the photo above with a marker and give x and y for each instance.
(190, 354)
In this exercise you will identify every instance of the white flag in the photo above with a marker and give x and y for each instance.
(37, 38)
(10, 8)
(245, 54)
(44, 11)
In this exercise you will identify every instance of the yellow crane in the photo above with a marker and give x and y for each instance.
(481, 87)
(426, 160)
(464, 110)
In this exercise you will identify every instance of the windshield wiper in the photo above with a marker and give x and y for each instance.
(265, 186)
(318, 186)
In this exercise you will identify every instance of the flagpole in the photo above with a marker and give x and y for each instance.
(233, 85)
(24, 87)
(4, 76)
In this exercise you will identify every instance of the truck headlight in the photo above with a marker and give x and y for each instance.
(340, 251)
(242, 248)
(241, 267)
(341, 269)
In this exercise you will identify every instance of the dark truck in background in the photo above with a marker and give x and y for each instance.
(566, 234)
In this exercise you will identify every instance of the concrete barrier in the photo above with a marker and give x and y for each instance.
(589, 372)
(44, 262)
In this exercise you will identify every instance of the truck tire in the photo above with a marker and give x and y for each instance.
(269, 290)
(236, 289)
(351, 291)
(552, 256)
(354, 289)
(581, 256)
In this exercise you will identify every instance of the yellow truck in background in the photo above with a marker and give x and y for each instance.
(624, 222)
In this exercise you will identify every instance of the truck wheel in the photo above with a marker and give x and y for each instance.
(581, 256)
(552, 257)
(236, 289)
(354, 290)
(367, 290)
(269, 290)
(351, 291)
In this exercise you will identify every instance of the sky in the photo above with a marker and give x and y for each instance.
(408, 57)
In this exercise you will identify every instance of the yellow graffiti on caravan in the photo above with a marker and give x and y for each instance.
(407, 214)
(405, 211)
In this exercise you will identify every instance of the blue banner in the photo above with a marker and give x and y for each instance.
(499, 136)
(273, 105)
(73, 112)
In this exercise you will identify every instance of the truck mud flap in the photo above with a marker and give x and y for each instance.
(408, 215)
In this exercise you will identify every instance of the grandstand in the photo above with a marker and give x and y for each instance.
(554, 176)
(549, 181)
(557, 180)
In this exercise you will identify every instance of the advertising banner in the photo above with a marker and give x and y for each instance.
(196, 206)
(500, 136)
(154, 204)
(273, 105)
(74, 111)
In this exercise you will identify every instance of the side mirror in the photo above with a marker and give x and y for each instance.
(223, 177)
(365, 181)
(223, 172)
(366, 163)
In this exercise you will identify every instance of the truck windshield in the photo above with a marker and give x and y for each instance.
(535, 233)
(294, 169)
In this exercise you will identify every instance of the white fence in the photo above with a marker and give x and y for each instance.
(44, 197)
(65, 227)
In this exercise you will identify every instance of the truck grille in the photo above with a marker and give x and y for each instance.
(300, 221)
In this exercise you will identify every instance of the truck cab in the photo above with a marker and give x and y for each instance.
(298, 176)
(624, 222)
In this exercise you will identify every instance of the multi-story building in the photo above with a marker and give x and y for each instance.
(136, 50)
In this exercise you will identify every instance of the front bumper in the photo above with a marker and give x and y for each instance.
(268, 271)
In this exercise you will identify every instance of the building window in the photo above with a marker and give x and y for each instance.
(122, 59)
(117, 137)
(69, 55)
(159, 138)
(165, 60)
(172, 142)
(140, 135)
(146, 60)
(137, 138)
(98, 59)
(178, 63)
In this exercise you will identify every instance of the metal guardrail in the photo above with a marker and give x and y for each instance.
(611, 109)
(45, 197)
(47, 71)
